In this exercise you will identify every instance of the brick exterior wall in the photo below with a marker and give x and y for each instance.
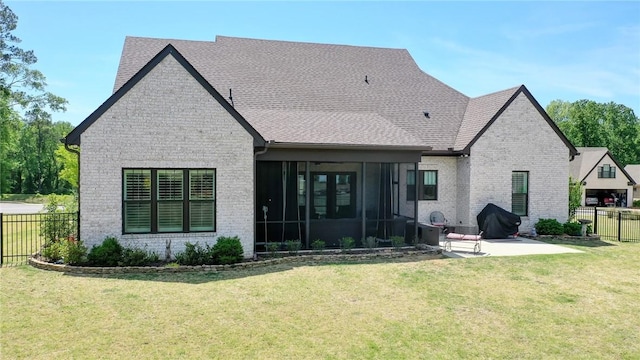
(167, 120)
(447, 193)
(519, 140)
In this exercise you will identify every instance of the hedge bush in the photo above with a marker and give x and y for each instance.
(549, 227)
(195, 254)
(227, 250)
(572, 228)
(109, 253)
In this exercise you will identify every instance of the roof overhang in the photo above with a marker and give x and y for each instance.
(341, 153)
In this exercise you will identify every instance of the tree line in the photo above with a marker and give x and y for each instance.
(587, 123)
(33, 161)
(31, 155)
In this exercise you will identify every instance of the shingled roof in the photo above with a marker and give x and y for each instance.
(588, 160)
(329, 94)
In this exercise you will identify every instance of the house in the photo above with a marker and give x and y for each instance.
(604, 181)
(634, 172)
(275, 140)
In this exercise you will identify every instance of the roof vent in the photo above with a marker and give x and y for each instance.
(426, 114)
(365, 79)
(231, 98)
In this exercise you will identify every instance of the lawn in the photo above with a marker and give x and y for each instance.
(567, 306)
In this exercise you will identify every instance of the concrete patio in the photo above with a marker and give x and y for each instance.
(503, 247)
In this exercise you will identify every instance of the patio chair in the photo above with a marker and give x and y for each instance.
(437, 219)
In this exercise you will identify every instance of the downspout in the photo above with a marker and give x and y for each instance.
(255, 191)
(74, 151)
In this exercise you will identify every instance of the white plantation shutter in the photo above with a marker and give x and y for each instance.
(202, 200)
(170, 197)
(168, 200)
(137, 201)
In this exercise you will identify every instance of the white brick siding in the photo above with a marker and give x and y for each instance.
(167, 120)
(520, 140)
(447, 193)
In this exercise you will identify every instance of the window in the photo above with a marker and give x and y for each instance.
(333, 195)
(520, 193)
(428, 189)
(168, 200)
(607, 171)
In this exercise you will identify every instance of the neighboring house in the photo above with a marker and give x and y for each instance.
(309, 141)
(604, 181)
(634, 172)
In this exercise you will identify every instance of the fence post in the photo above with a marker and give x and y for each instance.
(619, 225)
(595, 220)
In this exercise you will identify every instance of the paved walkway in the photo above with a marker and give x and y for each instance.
(8, 207)
(503, 247)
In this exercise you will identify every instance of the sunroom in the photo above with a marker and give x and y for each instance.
(309, 195)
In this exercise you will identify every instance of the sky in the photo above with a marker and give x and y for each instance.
(567, 51)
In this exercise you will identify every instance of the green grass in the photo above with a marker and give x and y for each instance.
(25, 198)
(568, 306)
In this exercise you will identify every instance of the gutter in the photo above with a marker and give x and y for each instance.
(74, 151)
(267, 145)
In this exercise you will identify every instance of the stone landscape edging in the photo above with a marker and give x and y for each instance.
(310, 258)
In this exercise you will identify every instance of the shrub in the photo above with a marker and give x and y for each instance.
(273, 248)
(347, 243)
(636, 203)
(549, 227)
(572, 228)
(73, 252)
(109, 253)
(318, 245)
(138, 257)
(370, 242)
(227, 250)
(194, 254)
(293, 246)
(397, 241)
(52, 250)
(56, 224)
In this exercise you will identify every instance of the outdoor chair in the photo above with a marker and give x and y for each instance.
(437, 219)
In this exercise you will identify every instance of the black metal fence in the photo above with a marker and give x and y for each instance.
(613, 223)
(24, 234)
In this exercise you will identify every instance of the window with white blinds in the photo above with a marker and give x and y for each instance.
(428, 189)
(201, 200)
(137, 201)
(520, 193)
(168, 200)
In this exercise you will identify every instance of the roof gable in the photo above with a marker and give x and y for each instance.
(588, 161)
(634, 171)
(473, 122)
(74, 137)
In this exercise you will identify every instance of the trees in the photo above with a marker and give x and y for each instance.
(28, 136)
(24, 86)
(587, 123)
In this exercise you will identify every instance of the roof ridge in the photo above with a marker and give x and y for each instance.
(224, 37)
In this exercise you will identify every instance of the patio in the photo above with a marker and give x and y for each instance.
(503, 247)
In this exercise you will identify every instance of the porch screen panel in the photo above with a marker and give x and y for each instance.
(170, 200)
(320, 195)
(202, 200)
(411, 185)
(137, 201)
(520, 192)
